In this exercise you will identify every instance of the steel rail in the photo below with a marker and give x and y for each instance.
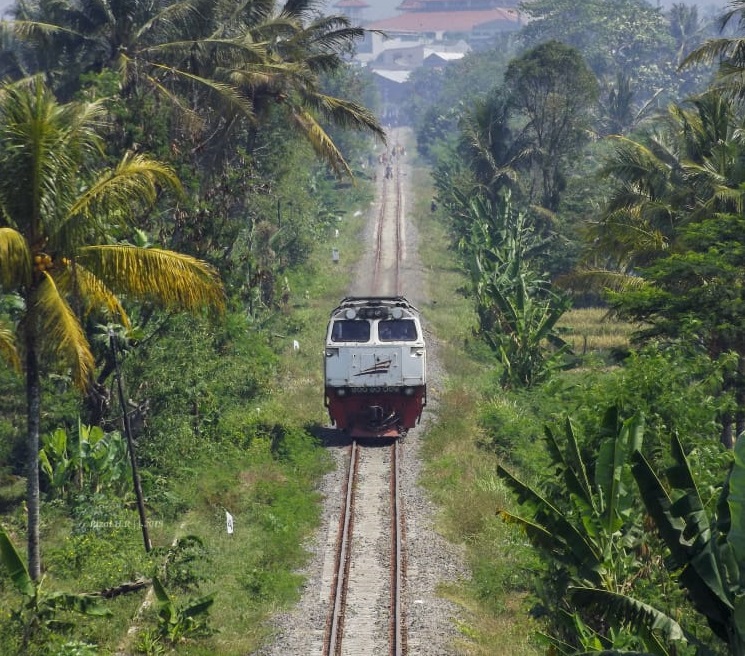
(379, 238)
(397, 564)
(332, 643)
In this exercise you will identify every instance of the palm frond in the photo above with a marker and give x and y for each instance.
(600, 279)
(236, 51)
(190, 117)
(322, 144)
(77, 280)
(25, 29)
(168, 16)
(715, 50)
(15, 259)
(324, 62)
(346, 113)
(226, 92)
(136, 178)
(172, 279)
(61, 331)
(8, 350)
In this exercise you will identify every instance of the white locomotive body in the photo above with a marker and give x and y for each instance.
(375, 366)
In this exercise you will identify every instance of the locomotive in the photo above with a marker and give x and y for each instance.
(375, 366)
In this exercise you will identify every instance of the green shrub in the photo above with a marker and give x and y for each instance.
(511, 429)
(673, 388)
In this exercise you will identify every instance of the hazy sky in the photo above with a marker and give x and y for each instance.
(377, 9)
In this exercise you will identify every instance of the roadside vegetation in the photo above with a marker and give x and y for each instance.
(228, 427)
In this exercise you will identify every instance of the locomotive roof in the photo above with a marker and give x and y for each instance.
(374, 301)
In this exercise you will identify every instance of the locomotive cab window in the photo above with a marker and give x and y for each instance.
(397, 330)
(350, 331)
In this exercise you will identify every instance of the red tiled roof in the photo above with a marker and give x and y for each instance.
(344, 4)
(443, 21)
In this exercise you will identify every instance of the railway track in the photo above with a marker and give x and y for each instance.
(389, 234)
(366, 609)
(373, 591)
(358, 596)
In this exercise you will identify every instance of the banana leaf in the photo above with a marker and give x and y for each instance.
(16, 568)
(86, 604)
(613, 467)
(575, 472)
(736, 506)
(656, 628)
(554, 522)
(695, 559)
(658, 505)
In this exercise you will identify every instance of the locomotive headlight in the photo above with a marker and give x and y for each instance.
(409, 391)
(331, 352)
(397, 313)
(341, 392)
(417, 351)
(350, 313)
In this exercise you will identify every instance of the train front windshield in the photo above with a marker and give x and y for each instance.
(397, 330)
(350, 330)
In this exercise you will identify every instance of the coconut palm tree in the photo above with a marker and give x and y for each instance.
(215, 62)
(687, 168)
(164, 47)
(491, 148)
(667, 244)
(59, 214)
(727, 52)
(302, 46)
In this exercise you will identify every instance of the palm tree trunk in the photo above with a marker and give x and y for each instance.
(33, 398)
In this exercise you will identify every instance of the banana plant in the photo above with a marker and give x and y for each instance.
(40, 609)
(591, 542)
(517, 310)
(658, 630)
(176, 623)
(660, 634)
(93, 458)
(707, 553)
(593, 537)
(524, 322)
